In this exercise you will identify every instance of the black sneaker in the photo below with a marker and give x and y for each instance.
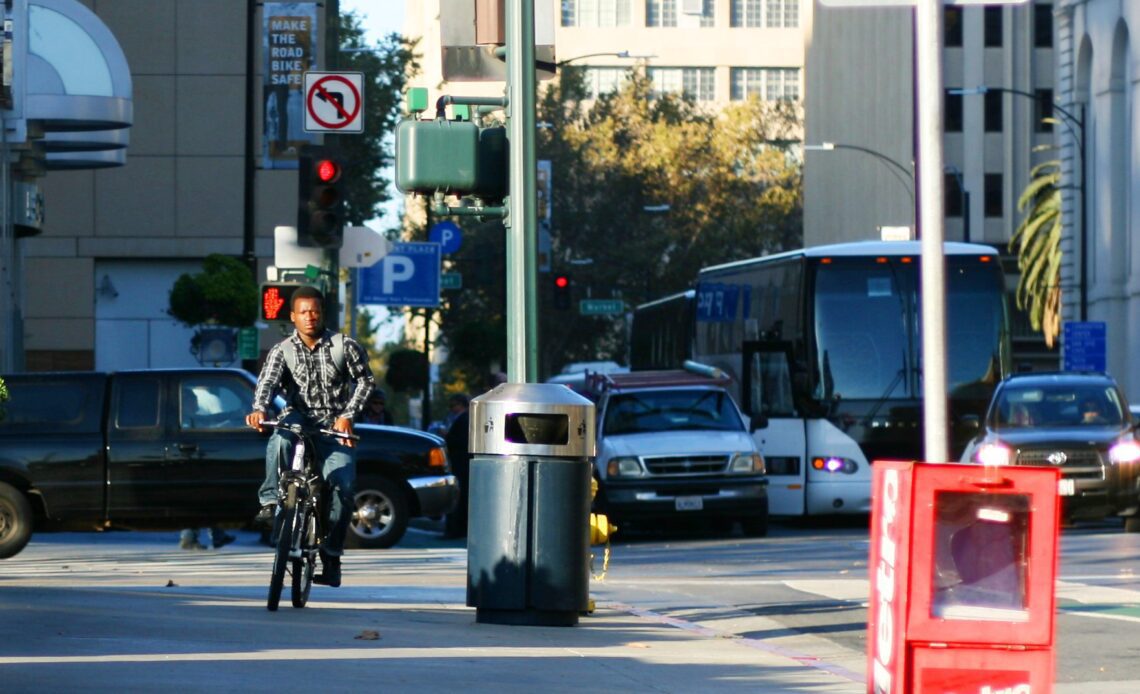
(265, 515)
(330, 571)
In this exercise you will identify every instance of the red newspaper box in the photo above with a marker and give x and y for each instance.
(963, 563)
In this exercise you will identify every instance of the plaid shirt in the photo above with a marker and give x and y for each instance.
(317, 389)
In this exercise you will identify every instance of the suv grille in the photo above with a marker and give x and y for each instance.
(1085, 464)
(686, 464)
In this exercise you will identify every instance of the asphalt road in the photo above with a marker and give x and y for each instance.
(146, 611)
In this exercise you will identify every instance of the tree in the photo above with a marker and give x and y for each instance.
(387, 66)
(1037, 242)
(224, 293)
(725, 177)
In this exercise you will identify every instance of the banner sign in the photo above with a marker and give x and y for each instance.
(289, 44)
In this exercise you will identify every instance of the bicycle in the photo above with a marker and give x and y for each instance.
(299, 524)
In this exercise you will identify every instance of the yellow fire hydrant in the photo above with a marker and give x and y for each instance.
(600, 531)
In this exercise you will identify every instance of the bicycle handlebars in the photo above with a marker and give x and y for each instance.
(302, 429)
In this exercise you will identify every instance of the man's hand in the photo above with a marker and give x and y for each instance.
(344, 426)
(254, 420)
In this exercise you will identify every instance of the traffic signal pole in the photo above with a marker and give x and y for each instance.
(522, 214)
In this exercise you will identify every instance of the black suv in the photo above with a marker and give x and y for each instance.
(1079, 422)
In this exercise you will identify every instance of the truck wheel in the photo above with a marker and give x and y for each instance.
(1132, 524)
(380, 518)
(15, 521)
(755, 526)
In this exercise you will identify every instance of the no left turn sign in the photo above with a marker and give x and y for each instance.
(333, 102)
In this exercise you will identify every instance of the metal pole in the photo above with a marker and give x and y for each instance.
(1084, 222)
(521, 222)
(928, 39)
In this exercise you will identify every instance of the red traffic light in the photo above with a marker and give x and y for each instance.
(562, 281)
(327, 170)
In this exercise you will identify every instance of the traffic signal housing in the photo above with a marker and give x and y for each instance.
(276, 301)
(562, 292)
(320, 198)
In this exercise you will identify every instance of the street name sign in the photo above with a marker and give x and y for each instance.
(407, 276)
(601, 307)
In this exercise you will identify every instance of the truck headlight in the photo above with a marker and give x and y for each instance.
(624, 467)
(746, 464)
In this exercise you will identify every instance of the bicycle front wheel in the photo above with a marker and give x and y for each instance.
(304, 567)
(286, 523)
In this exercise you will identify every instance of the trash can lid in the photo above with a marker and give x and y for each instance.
(532, 419)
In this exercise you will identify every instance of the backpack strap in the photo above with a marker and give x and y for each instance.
(288, 350)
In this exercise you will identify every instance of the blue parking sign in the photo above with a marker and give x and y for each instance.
(407, 276)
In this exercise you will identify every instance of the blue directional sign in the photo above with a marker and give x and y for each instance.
(407, 276)
(1086, 345)
(447, 234)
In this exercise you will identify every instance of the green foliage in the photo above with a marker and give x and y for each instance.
(731, 188)
(224, 293)
(3, 397)
(387, 66)
(1037, 242)
(407, 370)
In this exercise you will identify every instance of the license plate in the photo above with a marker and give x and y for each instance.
(1066, 487)
(689, 503)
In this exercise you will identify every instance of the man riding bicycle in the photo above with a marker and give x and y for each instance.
(325, 380)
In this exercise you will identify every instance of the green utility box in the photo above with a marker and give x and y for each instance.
(436, 155)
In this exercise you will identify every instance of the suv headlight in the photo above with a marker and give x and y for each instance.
(626, 466)
(993, 454)
(1124, 452)
(746, 464)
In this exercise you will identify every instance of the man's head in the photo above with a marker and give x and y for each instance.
(377, 400)
(457, 402)
(307, 311)
(1090, 409)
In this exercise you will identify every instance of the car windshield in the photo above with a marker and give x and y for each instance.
(1061, 405)
(671, 410)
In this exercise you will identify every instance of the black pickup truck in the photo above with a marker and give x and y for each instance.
(164, 449)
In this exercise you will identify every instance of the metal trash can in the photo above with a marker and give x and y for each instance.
(528, 535)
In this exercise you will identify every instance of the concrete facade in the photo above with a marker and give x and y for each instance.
(1098, 73)
(113, 238)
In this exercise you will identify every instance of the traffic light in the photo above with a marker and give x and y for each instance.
(277, 301)
(320, 198)
(562, 292)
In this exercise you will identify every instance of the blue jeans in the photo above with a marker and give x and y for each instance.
(338, 471)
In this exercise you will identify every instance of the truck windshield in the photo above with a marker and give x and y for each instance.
(671, 410)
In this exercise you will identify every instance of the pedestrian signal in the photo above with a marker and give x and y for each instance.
(277, 301)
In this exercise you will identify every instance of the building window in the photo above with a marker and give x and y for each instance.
(953, 195)
(768, 83)
(708, 14)
(952, 115)
(602, 80)
(993, 102)
(1043, 26)
(1043, 110)
(596, 13)
(993, 27)
(774, 14)
(660, 13)
(952, 26)
(993, 201)
(694, 82)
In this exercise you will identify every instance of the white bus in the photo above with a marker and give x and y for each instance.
(825, 345)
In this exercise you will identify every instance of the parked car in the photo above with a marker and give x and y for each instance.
(1078, 422)
(169, 449)
(673, 444)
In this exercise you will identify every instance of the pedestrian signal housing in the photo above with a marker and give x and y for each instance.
(277, 301)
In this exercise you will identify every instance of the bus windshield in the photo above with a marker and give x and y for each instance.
(861, 328)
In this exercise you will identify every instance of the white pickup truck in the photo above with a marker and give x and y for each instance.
(674, 444)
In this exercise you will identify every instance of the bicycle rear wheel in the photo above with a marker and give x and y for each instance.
(286, 523)
(304, 567)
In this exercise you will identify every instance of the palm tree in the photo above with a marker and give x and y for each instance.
(1037, 242)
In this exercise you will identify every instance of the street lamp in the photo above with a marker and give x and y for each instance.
(906, 177)
(1076, 127)
(612, 54)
